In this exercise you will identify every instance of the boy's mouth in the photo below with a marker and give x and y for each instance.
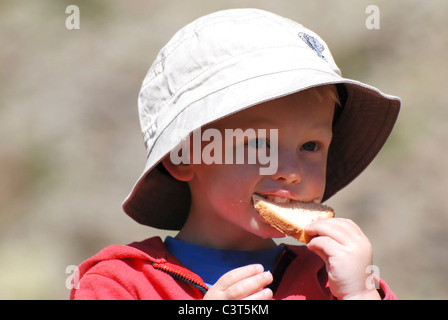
(277, 199)
(283, 197)
(280, 197)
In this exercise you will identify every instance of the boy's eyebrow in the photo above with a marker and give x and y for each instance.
(322, 130)
(267, 122)
(260, 121)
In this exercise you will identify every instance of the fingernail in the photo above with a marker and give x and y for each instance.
(268, 275)
(259, 268)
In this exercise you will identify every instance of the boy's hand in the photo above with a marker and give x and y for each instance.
(247, 282)
(347, 253)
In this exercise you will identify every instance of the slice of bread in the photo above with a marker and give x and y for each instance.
(291, 218)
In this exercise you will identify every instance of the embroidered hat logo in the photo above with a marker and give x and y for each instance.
(313, 43)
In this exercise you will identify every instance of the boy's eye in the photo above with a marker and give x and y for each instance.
(309, 146)
(258, 143)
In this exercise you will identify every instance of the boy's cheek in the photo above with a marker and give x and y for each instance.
(314, 181)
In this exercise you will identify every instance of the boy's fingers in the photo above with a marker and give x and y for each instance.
(338, 229)
(249, 287)
(265, 294)
(324, 247)
(247, 282)
(238, 274)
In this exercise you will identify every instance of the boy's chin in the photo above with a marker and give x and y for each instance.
(269, 232)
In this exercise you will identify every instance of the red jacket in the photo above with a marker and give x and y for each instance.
(146, 270)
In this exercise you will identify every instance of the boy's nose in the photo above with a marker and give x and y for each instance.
(289, 172)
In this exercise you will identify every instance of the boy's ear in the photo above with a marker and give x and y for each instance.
(182, 172)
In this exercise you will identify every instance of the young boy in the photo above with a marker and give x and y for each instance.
(244, 102)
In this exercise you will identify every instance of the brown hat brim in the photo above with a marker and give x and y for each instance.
(365, 123)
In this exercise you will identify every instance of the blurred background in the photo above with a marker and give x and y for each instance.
(71, 147)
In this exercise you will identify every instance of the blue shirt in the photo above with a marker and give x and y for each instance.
(211, 264)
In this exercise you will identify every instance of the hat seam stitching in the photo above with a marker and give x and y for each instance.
(221, 62)
(216, 64)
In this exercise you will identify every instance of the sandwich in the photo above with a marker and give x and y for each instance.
(291, 217)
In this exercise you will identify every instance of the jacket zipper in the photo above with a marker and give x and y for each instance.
(181, 276)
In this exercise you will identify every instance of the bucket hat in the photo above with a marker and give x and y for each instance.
(231, 60)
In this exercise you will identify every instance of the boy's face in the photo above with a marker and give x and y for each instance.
(221, 193)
